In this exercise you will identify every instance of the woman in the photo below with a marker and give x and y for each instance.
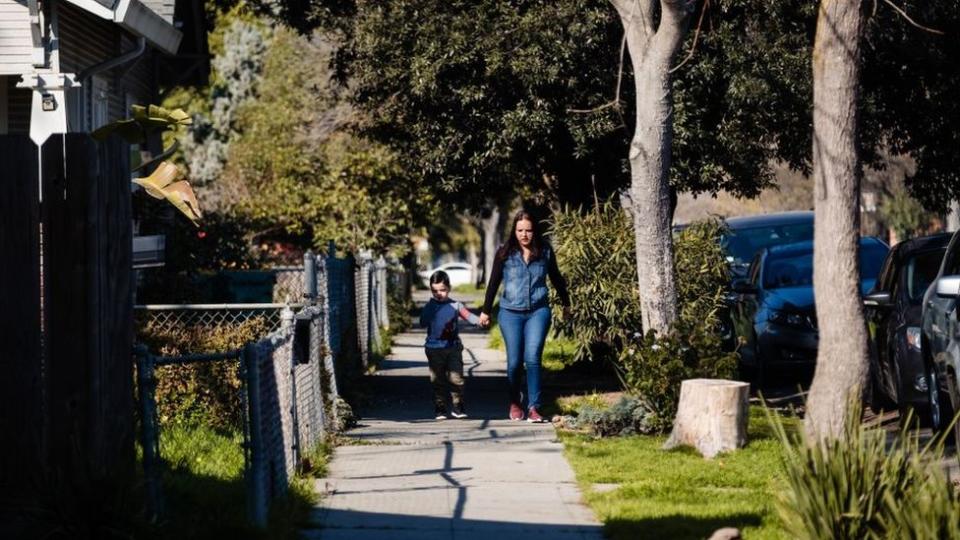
(523, 264)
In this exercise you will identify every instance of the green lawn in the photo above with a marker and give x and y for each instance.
(469, 289)
(204, 491)
(678, 494)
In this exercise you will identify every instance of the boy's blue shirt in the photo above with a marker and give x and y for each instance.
(440, 320)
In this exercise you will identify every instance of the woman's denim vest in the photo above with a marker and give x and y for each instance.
(525, 285)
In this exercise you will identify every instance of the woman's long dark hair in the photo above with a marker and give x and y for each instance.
(512, 244)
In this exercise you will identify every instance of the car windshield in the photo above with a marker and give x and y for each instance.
(742, 244)
(796, 269)
(919, 273)
(788, 271)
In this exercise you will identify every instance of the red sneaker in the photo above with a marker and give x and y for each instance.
(516, 413)
(534, 416)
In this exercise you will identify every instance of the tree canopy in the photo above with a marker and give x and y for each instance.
(490, 95)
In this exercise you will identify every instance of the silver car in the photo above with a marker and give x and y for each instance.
(940, 340)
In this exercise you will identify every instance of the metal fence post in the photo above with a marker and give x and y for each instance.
(150, 439)
(287, 317)
(325, 345)
(310, 277)
(382, 287)
(256, 488)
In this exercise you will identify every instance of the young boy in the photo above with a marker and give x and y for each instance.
(443, 347)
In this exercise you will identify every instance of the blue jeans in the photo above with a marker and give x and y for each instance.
(523, 334)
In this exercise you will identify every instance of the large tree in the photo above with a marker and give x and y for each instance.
(534, 97)
(862, 111)
(842, 352)
(654, 45)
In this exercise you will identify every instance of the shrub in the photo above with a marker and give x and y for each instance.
(861, 486)
(207, 393)
(629, 416)
(596, 255)
(654, 366)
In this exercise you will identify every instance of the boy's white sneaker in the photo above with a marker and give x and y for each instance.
(458, 412)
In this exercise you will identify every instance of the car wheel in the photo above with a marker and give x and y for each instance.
(941, 411)
(877, 400)
(908, 411)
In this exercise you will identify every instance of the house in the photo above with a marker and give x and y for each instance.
(71, 66)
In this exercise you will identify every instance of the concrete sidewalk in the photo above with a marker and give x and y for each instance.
(409, 476)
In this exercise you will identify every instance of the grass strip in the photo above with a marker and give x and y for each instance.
(638, 490)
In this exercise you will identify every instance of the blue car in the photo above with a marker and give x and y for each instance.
(774, 313)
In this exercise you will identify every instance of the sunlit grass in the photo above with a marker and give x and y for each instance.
(678, 494)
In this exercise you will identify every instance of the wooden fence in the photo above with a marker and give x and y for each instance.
(66, 371)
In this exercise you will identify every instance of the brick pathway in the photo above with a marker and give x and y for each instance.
(408, 476)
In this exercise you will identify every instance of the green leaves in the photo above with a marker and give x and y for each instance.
(864, 485)
(299, 174)
(596, 254)
(145, 120)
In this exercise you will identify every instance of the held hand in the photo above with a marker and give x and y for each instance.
(484, 320)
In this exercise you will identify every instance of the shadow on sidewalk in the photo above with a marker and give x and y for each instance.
(375, 525)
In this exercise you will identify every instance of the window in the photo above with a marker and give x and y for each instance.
(99, 94)
(89, 105)
(919, 273)
(794, 270)
(742, 244)
(951, 265)
(888, 273)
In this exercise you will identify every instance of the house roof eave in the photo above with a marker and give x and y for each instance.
(138, 19)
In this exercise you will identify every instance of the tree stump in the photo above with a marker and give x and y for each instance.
(711, 416)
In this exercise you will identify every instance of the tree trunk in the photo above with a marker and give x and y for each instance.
(473, 259)
(842, 355)
(652, 52)
(711, 416)
(491, 233)
(953, 216)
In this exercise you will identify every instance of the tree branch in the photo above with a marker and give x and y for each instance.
(911, 21)
(696, 34)
(615, 102)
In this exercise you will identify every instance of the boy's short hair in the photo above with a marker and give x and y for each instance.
(440, 277)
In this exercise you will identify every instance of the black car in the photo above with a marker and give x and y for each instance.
(774, 314)
(747, 235)
(894, 309)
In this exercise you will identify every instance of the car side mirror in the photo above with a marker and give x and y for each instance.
(948, 287)
(742, 286)
(877, 299)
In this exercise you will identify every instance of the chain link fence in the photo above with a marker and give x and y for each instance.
(291, 378)
(171, 316)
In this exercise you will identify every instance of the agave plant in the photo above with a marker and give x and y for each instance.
(166, 183)
(167, 180)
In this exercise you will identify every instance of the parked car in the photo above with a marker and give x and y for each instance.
(774, 313)
(749, 234)
(460, 273)
(744, 237)
(898, 377)
(939, 342)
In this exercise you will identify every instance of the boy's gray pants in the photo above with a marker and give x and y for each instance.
(446, 370)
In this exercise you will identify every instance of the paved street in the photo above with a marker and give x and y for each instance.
(408, 476)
